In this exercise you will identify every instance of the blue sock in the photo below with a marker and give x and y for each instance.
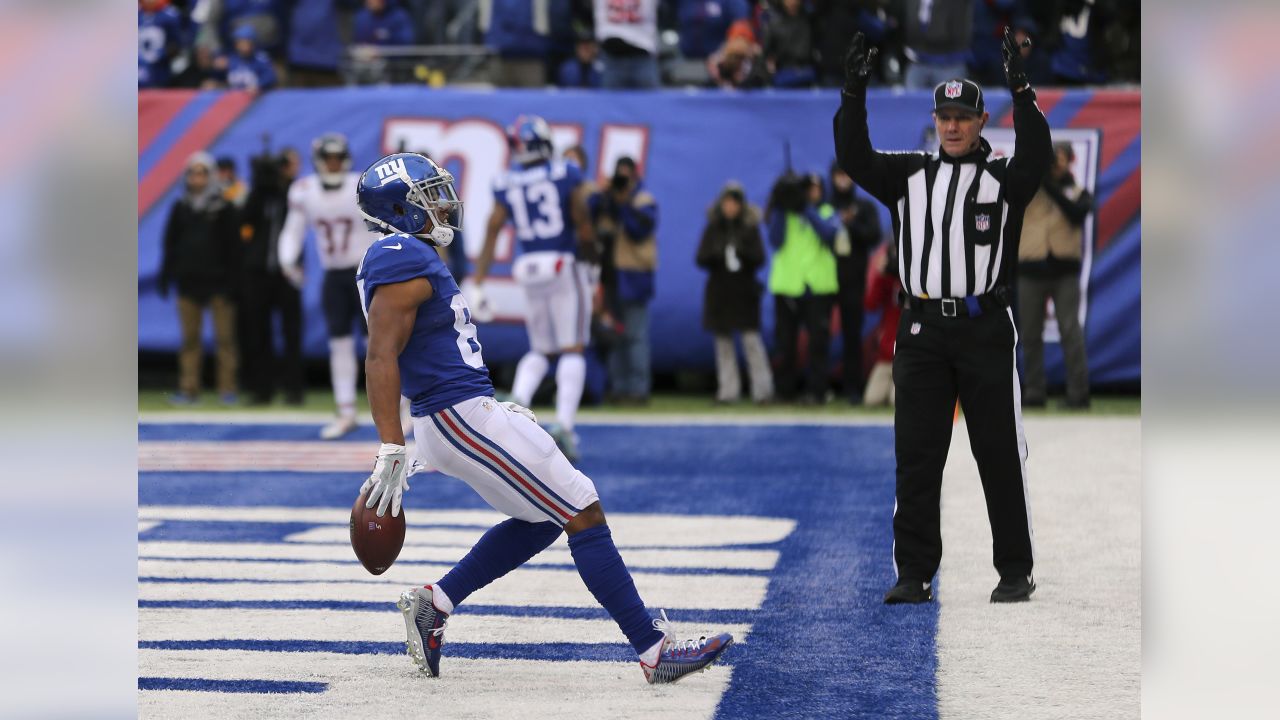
(607, 578)
(505, 547)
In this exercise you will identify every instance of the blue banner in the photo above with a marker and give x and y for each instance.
(688, 144)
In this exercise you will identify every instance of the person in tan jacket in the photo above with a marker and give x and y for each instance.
(1049, 256)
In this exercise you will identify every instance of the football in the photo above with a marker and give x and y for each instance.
(375, 540)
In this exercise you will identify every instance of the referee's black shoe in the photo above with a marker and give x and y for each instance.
(1014, 588)
(909, 591)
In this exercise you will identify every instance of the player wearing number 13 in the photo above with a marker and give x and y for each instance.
(545, 200)
(326, 200)
(423, 345)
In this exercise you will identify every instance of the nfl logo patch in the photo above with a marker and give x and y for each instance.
(915, 328)
(952, 90)
(372, 526)
(982, 222)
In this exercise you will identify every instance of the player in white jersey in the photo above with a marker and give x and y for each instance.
(327, 201)
(545, 200)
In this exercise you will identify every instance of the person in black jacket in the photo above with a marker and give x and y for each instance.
(732, 251)
(957, 217)
(201, 259)
(861, 221)
(265, 290)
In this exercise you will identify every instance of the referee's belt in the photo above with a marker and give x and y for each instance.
(968, 306)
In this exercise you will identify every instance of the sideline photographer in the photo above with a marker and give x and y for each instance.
(265, 290)
(802, 279)
(625, 216)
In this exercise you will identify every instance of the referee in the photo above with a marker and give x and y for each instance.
(957, 217)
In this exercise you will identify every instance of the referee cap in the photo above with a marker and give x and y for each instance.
(957, 93)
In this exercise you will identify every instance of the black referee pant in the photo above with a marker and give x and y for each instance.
(939, 359)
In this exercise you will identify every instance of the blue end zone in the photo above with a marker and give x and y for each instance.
(822, 645)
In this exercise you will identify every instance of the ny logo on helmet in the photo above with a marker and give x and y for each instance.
(391, 170)
(953, 89)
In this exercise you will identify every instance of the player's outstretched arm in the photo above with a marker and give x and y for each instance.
(497, 218)
(391, 316)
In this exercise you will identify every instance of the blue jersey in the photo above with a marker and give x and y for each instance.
(537, 199)
(441, 363)
(158, 33)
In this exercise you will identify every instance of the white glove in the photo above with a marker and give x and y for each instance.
(293, 274)
(481, 310)
(388, 482)
(520, 410)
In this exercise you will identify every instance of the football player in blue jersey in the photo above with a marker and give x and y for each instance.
(545, 200)
(423, 345)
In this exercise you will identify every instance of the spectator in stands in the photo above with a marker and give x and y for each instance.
(445, 22)
(860, 232)
(201, 71)
(625, 216)
(200, 259)
(315, 44)
(883, 294)
(738, 63)
(732, 251)
(519, 31)
(384, 23)
(834, 23)
(628, 37)
(788, 46)
(229, 182)
(161, 38)
(937, 34)
(802, 230)
(1078, 58)
(1049, 256)
(265, 291)
(584, 69)
(380, 23)
(990, 18)
(704, 25)
(267, 19)
(248, 68)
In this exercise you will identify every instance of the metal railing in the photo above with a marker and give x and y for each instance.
(434, 65)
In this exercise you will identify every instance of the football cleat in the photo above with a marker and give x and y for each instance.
(339, 427)
(424, 624)
(566, 440)
(678, 658)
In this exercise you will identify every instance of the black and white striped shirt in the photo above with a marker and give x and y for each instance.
(957, 220)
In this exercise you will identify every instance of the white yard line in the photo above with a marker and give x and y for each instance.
(390, 685)
(558, 554)
(1074, 651)
(169, 624)
(527, 586)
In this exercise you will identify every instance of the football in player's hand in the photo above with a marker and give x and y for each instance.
(376, 540)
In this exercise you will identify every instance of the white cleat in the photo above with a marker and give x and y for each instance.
(339, 427)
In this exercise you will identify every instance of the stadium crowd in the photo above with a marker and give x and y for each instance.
(256, 45)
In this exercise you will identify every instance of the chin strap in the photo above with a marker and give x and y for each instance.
(441, 236)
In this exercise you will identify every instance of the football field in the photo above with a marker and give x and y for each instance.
(251, 603)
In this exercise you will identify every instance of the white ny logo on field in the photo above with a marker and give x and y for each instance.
(391, 170)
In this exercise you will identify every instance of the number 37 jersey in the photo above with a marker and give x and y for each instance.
(341, 236)
(537, 200)
(441, 364)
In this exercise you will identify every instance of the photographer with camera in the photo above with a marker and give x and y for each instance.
(802, 279)
(265, 289)
(625, 216)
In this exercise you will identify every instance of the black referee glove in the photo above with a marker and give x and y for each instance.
(1014, 71)
(858, 62)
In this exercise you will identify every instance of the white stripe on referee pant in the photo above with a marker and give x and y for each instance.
(1022, 435)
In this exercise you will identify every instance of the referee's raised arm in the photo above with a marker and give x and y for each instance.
(1032, 145)
(883, 175)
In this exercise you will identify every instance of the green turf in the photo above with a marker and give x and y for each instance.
(660, 404)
